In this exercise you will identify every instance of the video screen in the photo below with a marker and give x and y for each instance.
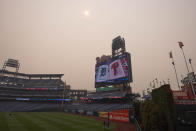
(116, 70)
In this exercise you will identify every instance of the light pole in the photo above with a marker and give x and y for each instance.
(190, 61)
(171, 56)
(143, 92)
(181, 45)
(153, 84)
(168, 80)
(157, 82)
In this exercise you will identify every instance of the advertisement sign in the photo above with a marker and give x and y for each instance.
(114, 71)
(108, 88)
(103, 114)
(180, 95)
(120, 115)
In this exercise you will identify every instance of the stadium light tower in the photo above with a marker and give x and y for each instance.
(181, 45)
(13, 64)
(173, 63)
(118, 46)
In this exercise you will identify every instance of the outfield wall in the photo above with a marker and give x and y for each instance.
(117, 115)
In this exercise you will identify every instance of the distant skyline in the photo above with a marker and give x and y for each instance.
(66, 36)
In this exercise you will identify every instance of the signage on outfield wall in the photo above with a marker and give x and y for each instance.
(103, 114)
(119, 115)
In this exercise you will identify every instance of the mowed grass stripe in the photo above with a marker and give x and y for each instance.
(28, 123)
(74, 117)
(90, 124)
(87, 119)
(62, 125)
(79, 119)
(43, 124)
(3, 122)
(69, 122)
(80, 126)
(13, 123)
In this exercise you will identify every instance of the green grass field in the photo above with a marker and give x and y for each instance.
(49, 121)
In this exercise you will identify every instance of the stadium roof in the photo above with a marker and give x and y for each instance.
(30, 75)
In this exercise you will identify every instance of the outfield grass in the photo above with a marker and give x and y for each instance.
(49, 121)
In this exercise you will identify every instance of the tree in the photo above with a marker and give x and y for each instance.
(137, 105)
(153, 119)
(163, 98)
(157, 114)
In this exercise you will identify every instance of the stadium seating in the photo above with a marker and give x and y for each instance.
(6, 106)
(22, 85)
(97, 107)
(30, 83)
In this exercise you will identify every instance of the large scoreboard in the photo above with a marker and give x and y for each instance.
(116, 70)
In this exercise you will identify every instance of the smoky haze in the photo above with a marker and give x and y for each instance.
(54, 36)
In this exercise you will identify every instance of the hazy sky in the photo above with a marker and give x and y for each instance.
(54, 36)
